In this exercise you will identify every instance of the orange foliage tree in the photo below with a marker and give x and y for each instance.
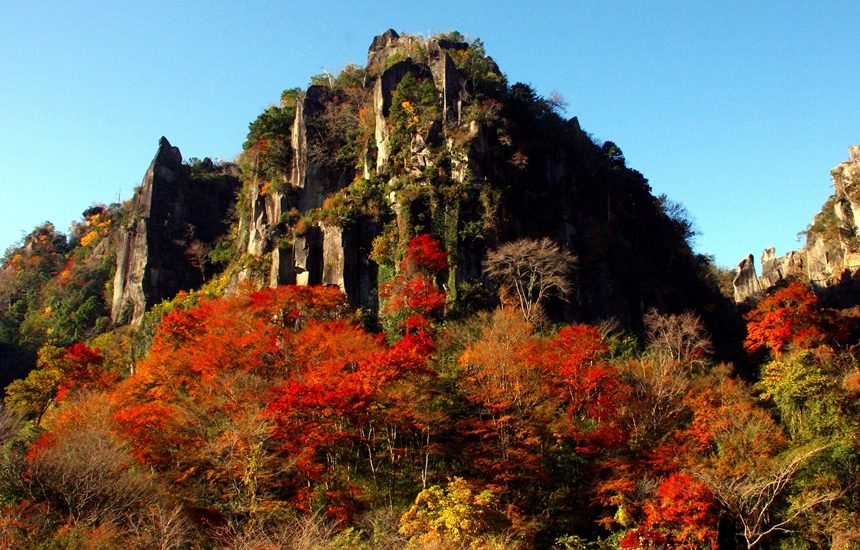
(58, 372)
(683, 515)
(791, 318)
(271, 399)
(537, 403)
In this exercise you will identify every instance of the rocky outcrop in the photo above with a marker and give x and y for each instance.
(746, 282)
(832, 249)
(175, 218)
(846, 183)
(135, 269)
(447, 78)
(474, 161)
(383, 88)
(381, 48)
(327, 254)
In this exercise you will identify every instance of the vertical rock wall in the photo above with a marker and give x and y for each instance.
(169, 212)
(832, 249)
(138, 271)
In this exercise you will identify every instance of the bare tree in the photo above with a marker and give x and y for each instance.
(679, 339)
(557, 102)
(198, 256)
(160, 527)
(753, 497)
(90, 475)
(531, 271)
(10, 424)
(677, 346)
(88, 471)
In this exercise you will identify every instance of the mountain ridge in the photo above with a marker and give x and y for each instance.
(429, 136)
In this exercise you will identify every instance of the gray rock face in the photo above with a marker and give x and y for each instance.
(383, 88)
(316, 179)
(133, 271)
(771, 272)
(831, 251)
(447, 78)
(345, 262)
(510, 171)
(746, 281)
(321, 255)
(171, 211)
(308, 257)
(382, 47)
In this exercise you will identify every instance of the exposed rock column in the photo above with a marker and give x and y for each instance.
(746, 282)
(133, 271)
(846, 182)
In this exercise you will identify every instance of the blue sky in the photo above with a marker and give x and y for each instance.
(738, 110)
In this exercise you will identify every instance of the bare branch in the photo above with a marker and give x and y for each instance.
(752, 497)
(531, 271)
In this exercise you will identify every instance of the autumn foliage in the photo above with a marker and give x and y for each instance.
(791, 318)
(273, 407)
(414, 291)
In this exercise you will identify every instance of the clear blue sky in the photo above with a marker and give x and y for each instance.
(736, 109)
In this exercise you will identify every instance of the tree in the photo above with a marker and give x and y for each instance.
(505, 433)
(198, 256)
(59, 371)
(256, 403)
(677, 339)
(683, 514)
(589, 391)
(83, 469)
(739, 451)
(531, 271)
(677, 350)
(413, 293)
(458, 516)
(754, 497)
(791, 318)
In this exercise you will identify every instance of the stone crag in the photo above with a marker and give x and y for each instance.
(832, 250)
(174, 220)
(494, 163)
(438, 142)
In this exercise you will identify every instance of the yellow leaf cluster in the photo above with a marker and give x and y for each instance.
(90, 238)
(413, 115)
(99, 221)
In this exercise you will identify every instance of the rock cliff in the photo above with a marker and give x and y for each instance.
(175, 218)
(832, 250)
(429, 136)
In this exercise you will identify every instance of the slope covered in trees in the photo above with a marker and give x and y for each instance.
(273, 416)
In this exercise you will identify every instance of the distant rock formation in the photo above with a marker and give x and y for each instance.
(428, 137)
(492, 163)
(746, 282)
(832, 249)
(175, 219)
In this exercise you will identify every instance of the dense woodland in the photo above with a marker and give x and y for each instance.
(272, 418)
(453, 415)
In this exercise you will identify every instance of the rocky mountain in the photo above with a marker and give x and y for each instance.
(831, 255)
(428, 137)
